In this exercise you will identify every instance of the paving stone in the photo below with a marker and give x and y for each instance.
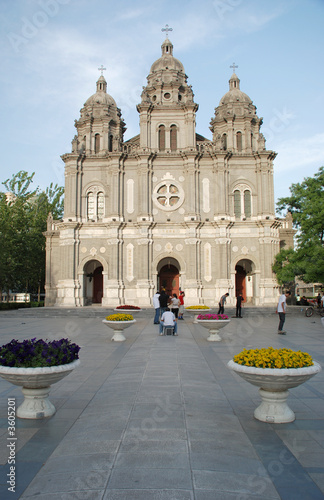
(150, 478)
(234, 483)
(152, 494)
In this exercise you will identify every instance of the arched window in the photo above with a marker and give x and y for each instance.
(237, 203)
(110, 143)
(90, 205)
(242, 202)
(247, 203)
(161, 137)
(239, 141)
(173, 138)
(97, 143)
(100, 205)
(224, 142)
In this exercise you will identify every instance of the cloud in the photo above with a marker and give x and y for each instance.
(296, 153)
(246, 16)
(132, 14)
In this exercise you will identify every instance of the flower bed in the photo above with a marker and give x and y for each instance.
(135, 308)
(273, 358)
(38, 353)
(218, 317)
(119, 317)
(197, 307)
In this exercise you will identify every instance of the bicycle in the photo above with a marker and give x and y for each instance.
(310, 310)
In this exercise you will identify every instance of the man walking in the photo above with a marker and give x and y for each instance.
(222, 303)
(156, 305)
(281, 310)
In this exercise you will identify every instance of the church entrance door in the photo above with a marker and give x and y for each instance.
(240, 281)
(169, 279)
(97, 290)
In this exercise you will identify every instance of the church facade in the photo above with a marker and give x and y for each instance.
(167, 208)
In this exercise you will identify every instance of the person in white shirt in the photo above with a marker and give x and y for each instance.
(168, 319)
(281, 310)
(174, 305)
(156, 305)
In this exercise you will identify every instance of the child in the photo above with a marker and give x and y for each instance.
(181, 307)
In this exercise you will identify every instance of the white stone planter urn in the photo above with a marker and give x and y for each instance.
(36, 385)
(127, 311)
(118, 327)
(274, 384)
(213, 325)
(196, 312)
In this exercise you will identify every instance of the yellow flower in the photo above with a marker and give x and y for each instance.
(197, 307)
(119, 317)
(273, 358)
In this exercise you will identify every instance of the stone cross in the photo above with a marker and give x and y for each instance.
(102, 69)
(233, 66)
(167, 29)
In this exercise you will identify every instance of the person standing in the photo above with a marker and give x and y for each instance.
(281, 310)
(164, 299)
(168, 319)
(174, 306)
(318, 300)
(239, 300)
(156, 305)
(222, 303)
(181, 306)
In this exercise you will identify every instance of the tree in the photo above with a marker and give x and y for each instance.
(306, 205)
(23, 218)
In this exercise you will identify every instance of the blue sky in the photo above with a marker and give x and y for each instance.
(51, 50)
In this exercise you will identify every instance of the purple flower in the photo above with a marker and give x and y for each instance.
(33, 353)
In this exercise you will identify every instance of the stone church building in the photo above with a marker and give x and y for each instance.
(167, 208)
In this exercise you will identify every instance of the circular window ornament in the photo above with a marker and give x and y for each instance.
(167, 95)
(168, 195)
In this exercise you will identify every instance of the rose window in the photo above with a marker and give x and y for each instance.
(168, 196)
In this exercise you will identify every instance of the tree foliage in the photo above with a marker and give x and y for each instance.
(22, 222)
(306, 204)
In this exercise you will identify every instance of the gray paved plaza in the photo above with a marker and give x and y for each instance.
(163, 418)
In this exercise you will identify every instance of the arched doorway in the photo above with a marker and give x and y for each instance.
(93, 282)
(244, 279)
(168, 276)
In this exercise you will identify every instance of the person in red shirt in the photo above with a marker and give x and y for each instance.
(181, 307)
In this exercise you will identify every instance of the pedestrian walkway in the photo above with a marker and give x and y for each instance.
(163, 418)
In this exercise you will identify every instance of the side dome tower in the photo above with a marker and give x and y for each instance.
(236, 126)
(100, 127)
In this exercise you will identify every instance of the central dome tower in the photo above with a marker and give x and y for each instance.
(167, 109)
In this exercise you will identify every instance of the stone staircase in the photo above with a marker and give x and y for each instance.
(101, 312)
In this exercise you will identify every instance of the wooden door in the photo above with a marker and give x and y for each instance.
(97, 290)
(240, 282)
(169, 279)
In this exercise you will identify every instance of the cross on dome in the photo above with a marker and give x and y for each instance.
(233, 66)
(167, 29)
(102, 69)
